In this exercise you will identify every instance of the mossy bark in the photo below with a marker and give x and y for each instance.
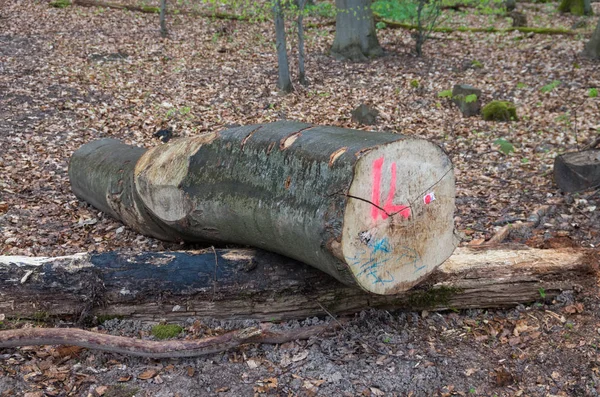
(576, 7)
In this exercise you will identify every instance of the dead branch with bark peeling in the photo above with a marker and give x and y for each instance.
(156, 349)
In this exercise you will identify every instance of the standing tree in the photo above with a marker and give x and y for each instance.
(592, 48)
(301, 71)
(163, 12)
(576, 7)
(355, 35)
(284, 83)
(427, 15)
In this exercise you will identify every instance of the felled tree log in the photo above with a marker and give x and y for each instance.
(244, 284)
(577, 171)
(373, 210)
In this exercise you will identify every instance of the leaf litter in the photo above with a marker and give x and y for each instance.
(68, 76)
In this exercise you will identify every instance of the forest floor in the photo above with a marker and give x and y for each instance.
(68, 76)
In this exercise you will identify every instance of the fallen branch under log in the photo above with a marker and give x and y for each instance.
(254, 284)
(155, 349)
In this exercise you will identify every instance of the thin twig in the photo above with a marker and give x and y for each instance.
(215, 273)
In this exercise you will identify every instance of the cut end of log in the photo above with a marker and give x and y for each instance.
(398, 224)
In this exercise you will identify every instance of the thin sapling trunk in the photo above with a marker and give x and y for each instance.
(163, 24)
(284, 83)
(301, 70)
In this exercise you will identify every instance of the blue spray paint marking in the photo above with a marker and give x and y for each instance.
(382, 245)
(379, 252)
(410, 257)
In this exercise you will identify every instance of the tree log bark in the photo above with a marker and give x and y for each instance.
(355, 34)
(254, 284)
(374, 210)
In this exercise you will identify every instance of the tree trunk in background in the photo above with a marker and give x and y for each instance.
(576, 7)
(592, 47)
(163, 13)
(355, 34)
(284, 82)
(374, 210)
(301, 71)
(254, 284)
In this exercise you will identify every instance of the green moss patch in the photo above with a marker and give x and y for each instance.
(432, 298)
(165, 331)
(60, 3)
(499, 111)
(575, 7)
(102, 318)
(150, 9)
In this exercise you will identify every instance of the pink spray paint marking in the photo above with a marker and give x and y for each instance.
(389, 207)
(429, 197)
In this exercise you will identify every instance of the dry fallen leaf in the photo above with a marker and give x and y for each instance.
(68, 351)
(148, 374)
(100, 390)
(265, 385)
(169, 368)
(300, 356)
(521, 327)
(575, 308)
(252, 364)
(470, 371)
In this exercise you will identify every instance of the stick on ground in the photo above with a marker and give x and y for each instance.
(155, 349)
